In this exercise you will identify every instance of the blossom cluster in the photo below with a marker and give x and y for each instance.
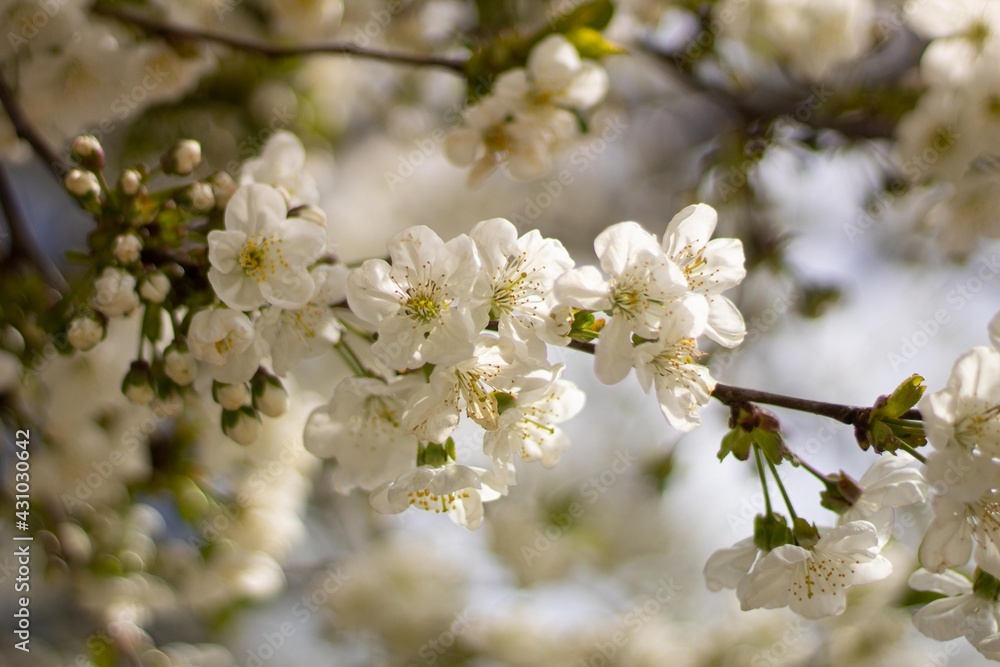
(951, 137)
(530, 115)
(463, 326)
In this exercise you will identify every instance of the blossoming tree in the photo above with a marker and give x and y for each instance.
(248, 344)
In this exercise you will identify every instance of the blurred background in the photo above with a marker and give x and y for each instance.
(861, 272)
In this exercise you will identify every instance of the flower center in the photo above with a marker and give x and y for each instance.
(425, 303)
(425, 500)
(261, 256)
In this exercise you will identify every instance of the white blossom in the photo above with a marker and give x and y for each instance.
(84, 332)
(225, 339)
(114, 293)
(282, 165)
(814, 582)
(711, 266)
(421, 303)
(361, 427)
(889, 482)
(521, 272)
(528, 429)
(640, 292)
(127, 248)
(155, 287)
(962, 613)
(456, 490)
(309, 331)
(670, 365)
(727, 567)
(262, 256)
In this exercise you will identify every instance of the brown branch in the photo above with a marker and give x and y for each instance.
(23, 244)
(729, 395)
(27, 131)
(176, 32)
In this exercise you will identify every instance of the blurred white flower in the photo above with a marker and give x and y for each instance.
(225, 339)
(114, 293)
(282, 165)
(976, 616)
(456, 490)
(361, 427)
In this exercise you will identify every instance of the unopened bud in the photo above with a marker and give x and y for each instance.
(87, 151)
(269, 395)
(155, 287)
(127, 248)
(85, 332)
(138, 383)
(200, 197)
(223, 187)
(130, 182)
(180, 365)
(183, 158)
(231, 396)
(242, 426)
(82, 184)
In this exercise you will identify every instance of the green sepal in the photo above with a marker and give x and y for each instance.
(736, 442)
(585, 327)
(806, 534)
(771, 531)
(985, 585)
(505, 401)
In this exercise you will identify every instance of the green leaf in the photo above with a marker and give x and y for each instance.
(905, 396)
(771, 531)
(592, 44)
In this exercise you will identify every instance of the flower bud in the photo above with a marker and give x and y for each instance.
(130, 182)
(269, 395)
(242, 426)
(85, 332)
(114, 293)
(82, 184)
(182, 159)
(200, 197)
(231, 396)
(309, 213)
(223, 187)
(127, 248)
(180, 365)
(87, 151)
(138, 383)
(169, 402)
(155, 287)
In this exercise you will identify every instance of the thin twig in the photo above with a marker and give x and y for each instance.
(176, 32)
(23, 243)
(27, 131)
(728, 394)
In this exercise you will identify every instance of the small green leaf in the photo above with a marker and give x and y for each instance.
(591, 43)
(905, 396)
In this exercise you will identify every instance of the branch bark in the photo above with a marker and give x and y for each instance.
(175, 32)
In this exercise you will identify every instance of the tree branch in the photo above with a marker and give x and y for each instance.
(728, 395)
(175, 32)
(27, 131)
(23, 243)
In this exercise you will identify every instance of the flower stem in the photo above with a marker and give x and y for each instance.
(912, 452)
(763, 480)
(784, 493)
(350, 358)
(813, 471)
